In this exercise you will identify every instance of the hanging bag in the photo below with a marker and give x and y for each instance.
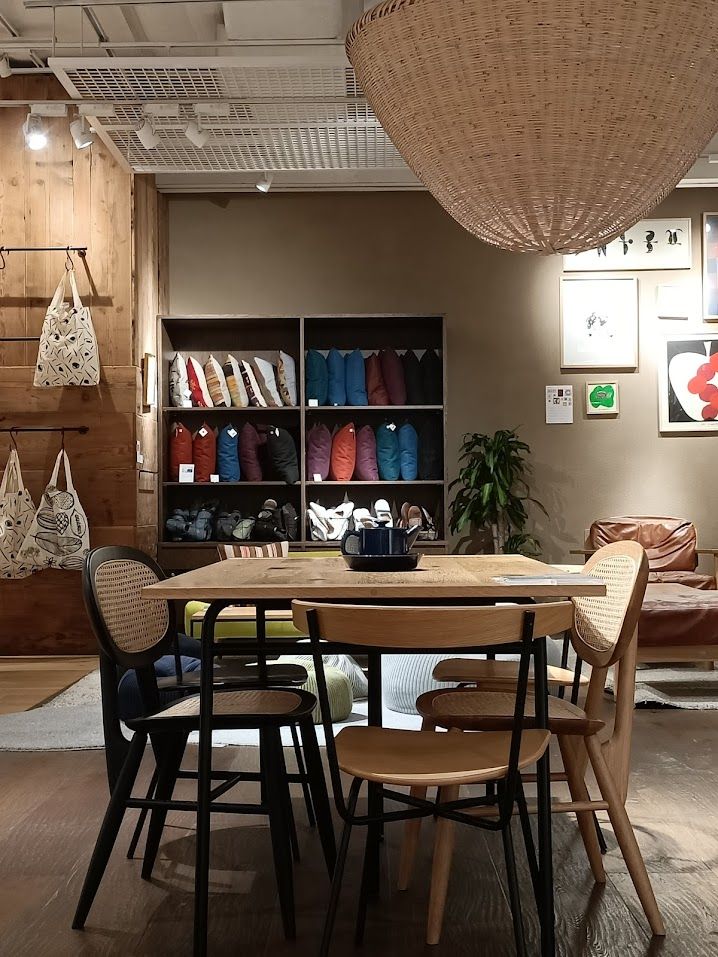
(16, 514)
(59, 536)
(68, 353)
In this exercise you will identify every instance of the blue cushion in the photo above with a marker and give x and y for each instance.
(356, 378)
(408, 452)
(337, 388)
(317, 377)
(228, 455)
(129, 700)
(387, 453)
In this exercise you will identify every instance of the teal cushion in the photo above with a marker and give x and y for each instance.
(408, 452)
(387, 453)
(356, 378)
(317, 377)
(337, 384)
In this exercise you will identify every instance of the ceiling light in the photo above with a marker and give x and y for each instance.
(81, 134)
(35, 133)
(5, 68)
(147, 136)
(196, 135)
(265, 183)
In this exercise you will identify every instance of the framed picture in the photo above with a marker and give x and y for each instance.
(688, 383)
(599, 323)
(710, 267)
(650, 244)
(602, 398)
(149, 381)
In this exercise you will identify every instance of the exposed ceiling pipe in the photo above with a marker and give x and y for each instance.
(97, 27)
(104, 44)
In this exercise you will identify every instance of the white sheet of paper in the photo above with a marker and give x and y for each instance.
(559, 404)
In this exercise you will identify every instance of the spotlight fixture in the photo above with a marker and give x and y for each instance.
(196, 135)
(5, 68)
(147, 135)
(265, 183)
(81, 134)
(34, 132)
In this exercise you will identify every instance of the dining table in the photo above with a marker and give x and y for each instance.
(271, 583)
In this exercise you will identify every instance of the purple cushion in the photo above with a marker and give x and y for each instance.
(319, 451)
(250, 442)
(366, 468)
(392, 370)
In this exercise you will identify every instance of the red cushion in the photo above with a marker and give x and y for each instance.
(344, 454)
(204, 453)
(366, 467)
(375, 386)
(393, 373)
(194, 386)
(180, 450)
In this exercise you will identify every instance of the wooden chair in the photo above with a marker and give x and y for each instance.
(391, 758)
(604, 634)
(134, 633)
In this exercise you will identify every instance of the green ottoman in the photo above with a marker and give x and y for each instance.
(339, 687)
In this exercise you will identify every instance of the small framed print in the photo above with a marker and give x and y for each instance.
(599, 323)
(650, 244)
(602, 398)
(710, 267)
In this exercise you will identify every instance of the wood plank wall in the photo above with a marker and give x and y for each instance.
(61, 196)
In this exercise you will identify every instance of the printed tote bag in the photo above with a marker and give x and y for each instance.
(16, 514)
(58, 536)
(68, 353)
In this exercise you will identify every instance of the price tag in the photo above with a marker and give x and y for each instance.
(203, 432)
(317, 477)
(232, 432)
(313, 403)
(214, 478)
(186, 473)
(392, 426)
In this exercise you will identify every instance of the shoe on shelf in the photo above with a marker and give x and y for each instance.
(411, 516)
(383, 512)
(363, 518)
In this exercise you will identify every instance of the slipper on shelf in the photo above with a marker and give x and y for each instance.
(363, 518)
(383, 512)
(411, 516)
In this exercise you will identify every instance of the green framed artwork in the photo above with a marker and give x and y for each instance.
(602, 398)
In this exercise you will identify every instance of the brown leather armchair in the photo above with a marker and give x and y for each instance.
(671, 545)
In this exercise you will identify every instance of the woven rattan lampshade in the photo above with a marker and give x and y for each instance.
(543, 125)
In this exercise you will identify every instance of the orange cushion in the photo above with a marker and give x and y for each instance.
(204, 452)
(180, 450)
(344, 454)
(375, 386)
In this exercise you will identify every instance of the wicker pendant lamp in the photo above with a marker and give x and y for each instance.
(543, 125)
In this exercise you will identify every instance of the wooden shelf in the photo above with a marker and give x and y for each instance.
(232, 409)
(228, 484)
(380, 482)
(373, 408)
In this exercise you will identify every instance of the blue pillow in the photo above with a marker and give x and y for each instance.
(317, 377)
(408, 452)
(129, 700)
(337, 388)
(356, 378)
(228, 455)
(387, 453)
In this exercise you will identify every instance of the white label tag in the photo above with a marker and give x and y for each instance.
(186, 473)
(313, 403)
(187, 393)
(392, 426)
(203, 432)
(140, 456)
(232, 432)
(214, 478)
(317, 477)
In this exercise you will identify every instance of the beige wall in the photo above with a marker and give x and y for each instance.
(399, 252)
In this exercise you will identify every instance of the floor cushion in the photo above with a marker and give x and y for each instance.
(366, 469)
(250, 442)
(375, 385)
(317, 377)
(319, 452)
(204, 453)
(228, 455)
(413, 378)
(344, 663)
(408, 452)
(405, 677)
(387, 452)
(392, 371)
(344, 452)
(129, 699)
(337, 383)
(339, 691)
(180, 450)
(355, 378)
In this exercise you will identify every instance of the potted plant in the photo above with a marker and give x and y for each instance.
(493, 491)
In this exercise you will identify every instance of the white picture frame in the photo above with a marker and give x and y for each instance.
(602, 397)
(650, 244)
(680, 405)
(709, 272)
(599, 322)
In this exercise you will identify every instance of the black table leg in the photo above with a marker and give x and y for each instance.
(375, 800)
(543, 785)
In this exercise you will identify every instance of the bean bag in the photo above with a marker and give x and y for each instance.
(282, 453)
(216, 383)
(129, 698)
(198, 385)
(267, 380)
(408, 452)
(287, 378)
(254, 393)
(317, 377)
(355, 374)
(180, 450)
(337, 385)
(413, 379)
(319, 452)
(387, 452)
(235, 383)
(180, 394)
(405, 677)
(250, 441)
(431, 449)
(344, 454)
(228, 455)
(432, 377)
(339, 691)
(392, 371)
(204, 453)
(375, 387)
(366, 469)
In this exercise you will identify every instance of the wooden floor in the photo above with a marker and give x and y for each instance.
(51, 804)
(29, 682)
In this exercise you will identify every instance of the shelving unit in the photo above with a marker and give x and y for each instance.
(249, 336)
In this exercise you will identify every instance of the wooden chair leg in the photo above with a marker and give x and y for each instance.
(579, 792)
(626, 838)
(412, 830)
(441, 868)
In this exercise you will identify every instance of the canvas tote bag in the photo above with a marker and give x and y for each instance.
(68, 353)
(59, 536)
(16, 513)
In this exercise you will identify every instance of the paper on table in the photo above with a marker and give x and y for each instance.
(570, 579)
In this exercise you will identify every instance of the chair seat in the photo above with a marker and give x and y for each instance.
(236, 674)
(494, 711)
(426, 759)
(229, 706)
(495, 675)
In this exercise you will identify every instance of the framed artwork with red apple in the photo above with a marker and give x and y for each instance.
(688, 383)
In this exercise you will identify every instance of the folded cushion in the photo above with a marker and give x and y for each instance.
(319, 451)
(387, 452)
(408, 452)
(432, 377)
(216, 383)
(287, 378)
(228, 455)
(413, 379)
(250, 442)
(180, 393)
(235, 383)
(375, 387)
(355, 378)
(198, 385)
(366, 469)
(392, 371)
(267, 380)
(204, 453)
(282, 453)
(336, 386)
(254, 393)
(317, 377)
(431, 449)
(344, 453)
(180, 450)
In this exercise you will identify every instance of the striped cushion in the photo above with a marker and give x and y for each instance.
(235, 383)
(287, 378)
(265, 550)
(216, 383)
(254, 393)
(339, 689)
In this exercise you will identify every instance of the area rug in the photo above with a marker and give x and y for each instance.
(684, 688)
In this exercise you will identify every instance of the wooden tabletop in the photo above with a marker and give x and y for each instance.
(437, 577)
